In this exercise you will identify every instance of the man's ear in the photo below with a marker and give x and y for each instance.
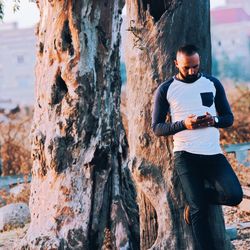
(176, 63)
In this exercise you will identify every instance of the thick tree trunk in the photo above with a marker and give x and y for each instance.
(155, 30)
(80, 187)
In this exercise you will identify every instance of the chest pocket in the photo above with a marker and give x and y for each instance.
(207, 99)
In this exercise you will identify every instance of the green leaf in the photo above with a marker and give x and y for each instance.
(16, 5)
(1, 10)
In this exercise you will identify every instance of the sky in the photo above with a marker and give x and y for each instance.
(28, 15)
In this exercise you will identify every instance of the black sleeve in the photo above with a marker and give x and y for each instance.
(223, 109)
(160, 111)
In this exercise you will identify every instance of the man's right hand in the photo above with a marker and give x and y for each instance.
(191, 122)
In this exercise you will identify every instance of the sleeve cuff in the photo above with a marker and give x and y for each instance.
(183, 124)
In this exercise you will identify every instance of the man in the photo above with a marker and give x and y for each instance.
(198, 107)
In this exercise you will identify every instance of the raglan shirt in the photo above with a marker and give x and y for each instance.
(181, 99)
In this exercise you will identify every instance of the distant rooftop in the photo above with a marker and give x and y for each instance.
(227, 15)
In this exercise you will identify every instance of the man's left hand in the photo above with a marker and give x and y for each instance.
(207, 121)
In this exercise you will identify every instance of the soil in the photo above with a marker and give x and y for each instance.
(8, 238)
(233, 217)
(241, 221)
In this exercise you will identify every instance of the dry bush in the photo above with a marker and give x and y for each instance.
(234, 214)
(15, 149)
(8, 198)
(23, 196)
(241, 171)
(239, 99)
(16, 159)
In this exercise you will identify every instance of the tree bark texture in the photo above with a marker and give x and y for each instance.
(155, 31)
(82, 196)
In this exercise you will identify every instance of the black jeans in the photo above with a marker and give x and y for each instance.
(225, 189)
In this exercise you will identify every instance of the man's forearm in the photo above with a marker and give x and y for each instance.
(165, 129)
(225, 121)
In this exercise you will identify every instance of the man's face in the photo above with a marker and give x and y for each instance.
(188, 66)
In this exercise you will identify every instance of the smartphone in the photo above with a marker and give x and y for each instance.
(201, 117)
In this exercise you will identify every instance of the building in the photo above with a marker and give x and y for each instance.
(17, 62)
(230, 30)
(239, 3)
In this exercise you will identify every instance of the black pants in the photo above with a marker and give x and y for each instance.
(193, 170)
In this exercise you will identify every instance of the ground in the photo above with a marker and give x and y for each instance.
(8, 238)
(241, 220)
(233, 216)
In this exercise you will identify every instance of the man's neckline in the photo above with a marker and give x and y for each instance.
(187, 82)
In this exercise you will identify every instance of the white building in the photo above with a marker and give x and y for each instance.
(245, 4)
(17, 62)
(230, 30)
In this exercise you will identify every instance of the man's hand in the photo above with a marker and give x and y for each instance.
(192, 122)
(206, 121)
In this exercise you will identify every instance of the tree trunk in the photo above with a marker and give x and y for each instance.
(82, 196)
(155, 31)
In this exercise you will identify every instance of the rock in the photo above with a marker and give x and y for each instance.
(244, 225)
(245, 205)
(14, 215)
(246, 192)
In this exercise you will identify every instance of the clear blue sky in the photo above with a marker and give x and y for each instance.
(28, 14)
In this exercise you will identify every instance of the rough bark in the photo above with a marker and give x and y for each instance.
(82, 196)
(155, 31)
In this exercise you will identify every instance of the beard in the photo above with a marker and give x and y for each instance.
(190, 78)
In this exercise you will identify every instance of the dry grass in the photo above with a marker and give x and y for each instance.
(241, 171)
(15, 143)
(8, 198)
(234, 214)
(107, 242)
(239, 101)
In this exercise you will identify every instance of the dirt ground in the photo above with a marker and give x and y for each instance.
(233, 216)
(241, 220)
(8, 238)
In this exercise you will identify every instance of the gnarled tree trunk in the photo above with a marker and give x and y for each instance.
(155, 31)
(80, 186)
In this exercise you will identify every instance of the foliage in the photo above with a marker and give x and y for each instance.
(215, 66)
(16, 6)
(16, 159)
(239, 101)
(236, 69)
(242, 172)
(1, 9)
(8, 198)
(15, 144)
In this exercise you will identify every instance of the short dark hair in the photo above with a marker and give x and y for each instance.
(188, 50)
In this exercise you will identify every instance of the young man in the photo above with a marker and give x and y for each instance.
(198, 107)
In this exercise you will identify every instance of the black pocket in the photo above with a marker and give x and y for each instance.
(207, 99)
